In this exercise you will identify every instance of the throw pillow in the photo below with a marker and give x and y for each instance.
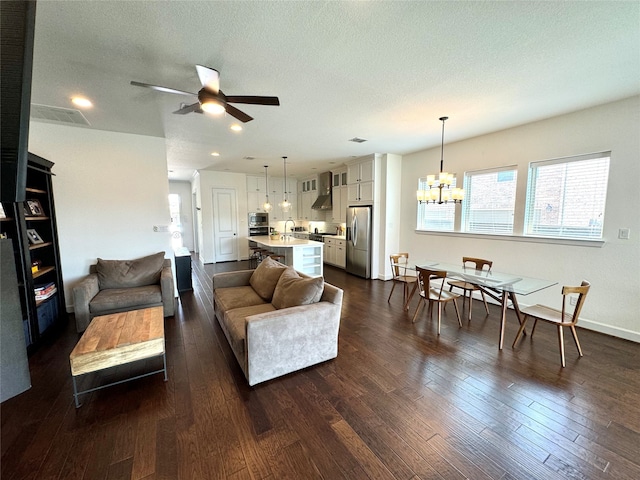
(265, 278)
(293, 290)
(130, 273)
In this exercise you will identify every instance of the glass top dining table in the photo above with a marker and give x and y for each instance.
(498, 281)
(500, 286)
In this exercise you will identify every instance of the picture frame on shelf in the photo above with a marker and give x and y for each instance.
(35, 208)
(34, 238)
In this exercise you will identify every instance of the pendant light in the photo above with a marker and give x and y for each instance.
(440, 190)
(286, 204)
(266, 205)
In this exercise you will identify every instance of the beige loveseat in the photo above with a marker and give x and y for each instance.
(121, 285)
(276, 320)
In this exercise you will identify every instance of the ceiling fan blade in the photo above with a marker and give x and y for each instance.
(162, 89)
(243, 117)
(255, 100)
(209, 77)
(189, 108)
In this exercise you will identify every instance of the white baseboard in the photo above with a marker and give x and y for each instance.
(586, 324)
(589, 325)
(609, 330)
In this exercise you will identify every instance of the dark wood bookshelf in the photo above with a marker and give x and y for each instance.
(41, 318)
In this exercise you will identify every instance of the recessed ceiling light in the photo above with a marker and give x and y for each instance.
(357, 140)
(235, 127)
(215, 154)
(81, 102)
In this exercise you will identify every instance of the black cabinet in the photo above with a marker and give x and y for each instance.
(183, 269)
(31, 227)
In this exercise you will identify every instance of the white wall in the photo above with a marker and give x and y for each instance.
(186, 211)
(389, 205)
(110, 189)
(613, 304)
(205, 183)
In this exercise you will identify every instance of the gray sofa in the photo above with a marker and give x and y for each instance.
(121, 285)
(276, 320)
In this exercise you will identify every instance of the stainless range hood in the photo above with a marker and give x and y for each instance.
(324, 192)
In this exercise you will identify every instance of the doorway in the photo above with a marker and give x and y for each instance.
(225, 225)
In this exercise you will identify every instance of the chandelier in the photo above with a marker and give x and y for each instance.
(285, 205)
(266, 205)
(440, 190)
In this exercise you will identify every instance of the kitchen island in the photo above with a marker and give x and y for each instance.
(303, 255)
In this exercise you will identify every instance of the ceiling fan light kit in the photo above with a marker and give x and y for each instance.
(211, 99)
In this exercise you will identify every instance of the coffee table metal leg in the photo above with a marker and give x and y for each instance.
(75, 392)
(164, 361)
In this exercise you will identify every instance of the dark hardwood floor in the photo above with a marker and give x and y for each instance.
(398, 402)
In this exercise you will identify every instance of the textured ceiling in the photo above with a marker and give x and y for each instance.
(383, 71)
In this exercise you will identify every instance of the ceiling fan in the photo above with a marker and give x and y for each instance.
(210, 97)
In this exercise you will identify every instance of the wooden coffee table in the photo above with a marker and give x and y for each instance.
(117, 339)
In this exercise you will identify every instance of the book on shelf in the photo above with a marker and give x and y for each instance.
(46, 294)
(43, 287)
(42, 292)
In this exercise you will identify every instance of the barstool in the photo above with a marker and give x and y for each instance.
(256, 256)
(278, 258)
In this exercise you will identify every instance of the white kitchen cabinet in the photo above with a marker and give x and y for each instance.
(360, 193)
(335, 252)
(308, 213)
(257, 194)
(362, 171)
(257, 183)
(340, 253)
(360, 179)
(276, 195)
(340, 202)
(255, 201)
(328, 252)
(339, 196)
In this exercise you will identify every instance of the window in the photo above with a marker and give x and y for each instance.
(490, 198)
(566, 197)
(432, 216)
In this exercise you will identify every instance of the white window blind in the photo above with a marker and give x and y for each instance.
(490, 198)
(432, 216)
(566, 197)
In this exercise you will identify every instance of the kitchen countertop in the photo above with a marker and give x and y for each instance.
(290, 242)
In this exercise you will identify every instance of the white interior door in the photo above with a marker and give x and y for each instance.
(225, 225)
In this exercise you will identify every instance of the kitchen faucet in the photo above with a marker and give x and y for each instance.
(285, 227)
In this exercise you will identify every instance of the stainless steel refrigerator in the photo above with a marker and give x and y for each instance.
(359, 241)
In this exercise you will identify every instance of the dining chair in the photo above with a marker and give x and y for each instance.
(399, 265)
(434, 295)
(480, 264)
(560, 318)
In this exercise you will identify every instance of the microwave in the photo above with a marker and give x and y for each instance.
(257, 219)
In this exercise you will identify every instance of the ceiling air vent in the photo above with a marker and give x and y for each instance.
(58, 115)
(248, 158)
(357, 140)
